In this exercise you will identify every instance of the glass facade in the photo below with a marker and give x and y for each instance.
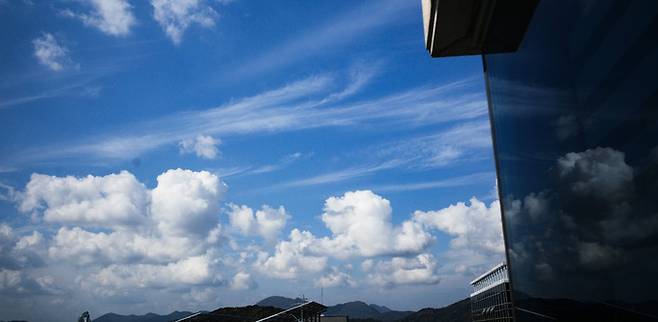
(491, 299)
(494, 304)
(575, 123)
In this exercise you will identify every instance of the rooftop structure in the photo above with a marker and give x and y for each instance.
(473, 27)
(305, 312)
(495, 276)
(491, 298)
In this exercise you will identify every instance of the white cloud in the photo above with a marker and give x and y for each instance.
(242, 219)
(335, 278)
(171, 238)
(18, 255)
(473, 226)
(50, 52)
(242, 281)
(176, 16)
(164, 237)
(292, 257)
(29, 241)
(360, 222)
(421, 269)
(19, 283)
(476, 231)
(112, 200)
(112, 17)
(20, 251)
(185, 202)
(204, 146)
(195, 270)
(81, 247)
(266, 222)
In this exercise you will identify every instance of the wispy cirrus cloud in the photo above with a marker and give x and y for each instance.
(470, 140)
(339, 175)
(283, 162)
(83, 88)
(313, 102)
(470, 179)
(329, 34)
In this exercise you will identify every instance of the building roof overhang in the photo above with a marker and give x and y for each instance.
(473, 27)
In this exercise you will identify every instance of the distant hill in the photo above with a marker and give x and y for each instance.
(280, 302)
(355, 310)
(361, 310)
(456, 312)
(380, 309)
(149, 317)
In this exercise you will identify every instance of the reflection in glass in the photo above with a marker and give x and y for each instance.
(575, 116)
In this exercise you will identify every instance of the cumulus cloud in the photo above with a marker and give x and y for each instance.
(596, 217)
(292, 257)
(20, 251)
(421, 269)
(176, 16)
(360, 222)
(112, 200)
(361, 226)
(204, 146)
(112, 17)
(132, 236)
(81, 247)
(18, 254)
(335, 278)
(266, 222)
(50, 52)
(17, 283)
(120, 235)
(185, 201)
(195, 270)
(242, 281)
(474, 226)
(599, 171)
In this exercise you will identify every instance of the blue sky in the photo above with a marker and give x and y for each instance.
(141, 140)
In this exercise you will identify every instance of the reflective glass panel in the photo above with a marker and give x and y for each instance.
(575, 115)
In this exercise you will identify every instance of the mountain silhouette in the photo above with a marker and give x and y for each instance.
(280, 302)
(148, 317)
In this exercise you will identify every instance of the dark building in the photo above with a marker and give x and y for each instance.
(304, 312)
(491, 299)
(572, 87)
